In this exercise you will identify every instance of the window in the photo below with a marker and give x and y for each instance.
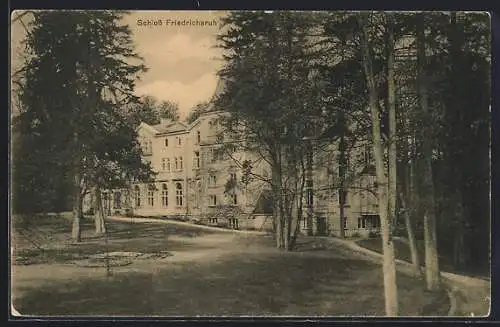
(234, 199)
(164, 164)
(232, 176)
(345, 222)
(137, 194)
(166, 141)
(212, 180)
(196, 160)
(178, 163)
(178, 194)
(213, 200)
(167, 164)
(164, 195)
(198, 137)
(117, 200)
(151, 194)
(178, 140)
(147, 147)
(369, 221)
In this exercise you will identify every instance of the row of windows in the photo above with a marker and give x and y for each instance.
(233, 198)
(150, 195)
(179, 196)
(166, 164)
(178, 163)
(147, 146)
(178, 141)
(365, 221)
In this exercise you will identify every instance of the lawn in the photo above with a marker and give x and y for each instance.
(402, 250)
(230, 276)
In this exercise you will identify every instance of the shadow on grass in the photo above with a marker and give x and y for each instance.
(270, 284)
(50, 241)
(403, 253)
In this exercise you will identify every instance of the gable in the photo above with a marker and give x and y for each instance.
(146, 130)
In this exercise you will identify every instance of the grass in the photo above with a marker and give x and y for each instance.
(49, 241)
(402, 251)
(314, 281)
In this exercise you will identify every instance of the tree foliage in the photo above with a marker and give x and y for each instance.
(90, 61)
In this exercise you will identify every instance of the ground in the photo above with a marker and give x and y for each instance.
(471, 288)
(208, 273)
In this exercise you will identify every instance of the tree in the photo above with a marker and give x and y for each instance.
(196, 111)
(90, 61)
(169, 110)
(428, 205)
(145, 110)
(267, 75)
(389, 264)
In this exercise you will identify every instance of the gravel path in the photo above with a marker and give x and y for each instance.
(470, 296)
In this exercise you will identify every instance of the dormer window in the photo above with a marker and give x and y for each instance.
(166, 141)
(198, 137)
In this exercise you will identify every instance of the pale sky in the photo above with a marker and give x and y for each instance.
(182, 60)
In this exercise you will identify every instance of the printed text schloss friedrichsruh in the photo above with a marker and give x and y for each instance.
(176, 22)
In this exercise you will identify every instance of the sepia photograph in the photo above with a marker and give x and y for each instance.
(250, 164)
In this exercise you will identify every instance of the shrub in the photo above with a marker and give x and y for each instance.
(374, 235)
(129, 213)
(356, 235)
(195, 220)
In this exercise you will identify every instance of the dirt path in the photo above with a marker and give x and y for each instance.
(204, 250)
(182, 223)
(209, 249)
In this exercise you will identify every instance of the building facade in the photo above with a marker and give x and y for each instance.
(194, 180)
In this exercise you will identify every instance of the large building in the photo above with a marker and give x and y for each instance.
(194, 180)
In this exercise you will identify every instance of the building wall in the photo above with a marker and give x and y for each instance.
(198, 188)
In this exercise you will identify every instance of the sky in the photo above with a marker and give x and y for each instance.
(182, 59)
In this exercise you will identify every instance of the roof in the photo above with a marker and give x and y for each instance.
(264, 203)
(178, 126)
(172, 127)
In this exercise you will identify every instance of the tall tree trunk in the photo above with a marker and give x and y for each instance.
(408, 214)
(76, 233)
(389, 264)
(342, 203)
(278, 205)
(309, 190)
(342, 186)
(100, 227)
(305, 173)
(428, 205)
(391, 104)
